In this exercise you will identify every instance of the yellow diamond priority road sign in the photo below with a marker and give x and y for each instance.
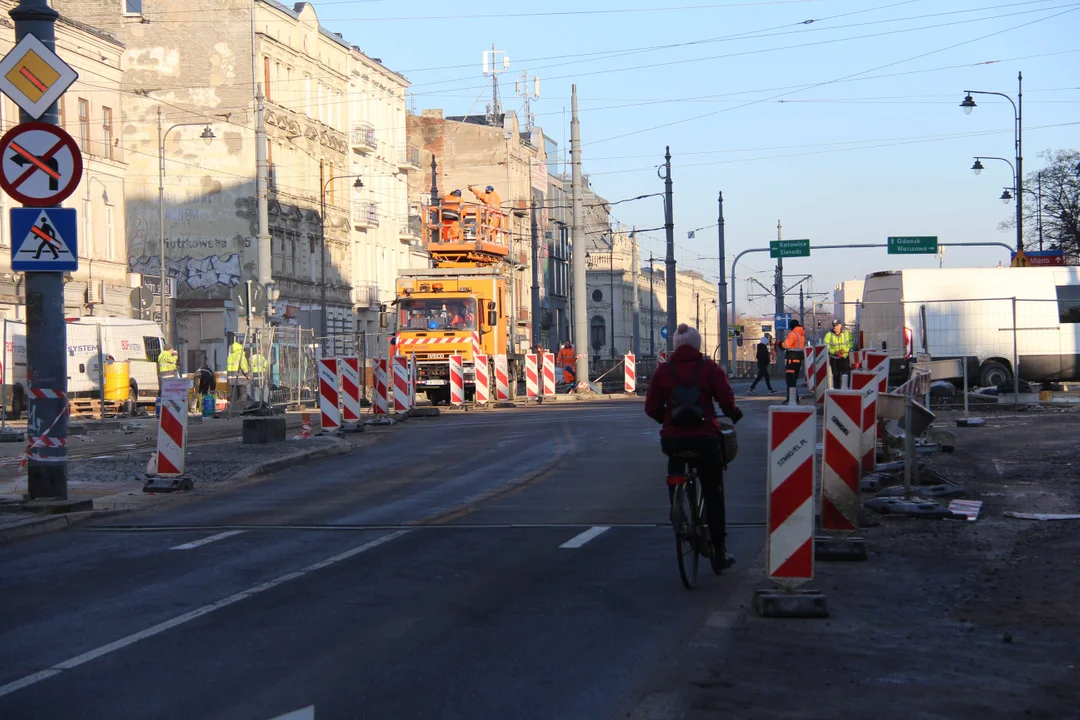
(34, 77)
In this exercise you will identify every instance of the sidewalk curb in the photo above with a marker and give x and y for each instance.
(38, 525)
(340, 447)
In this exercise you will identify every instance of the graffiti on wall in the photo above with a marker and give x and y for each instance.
(196, 273)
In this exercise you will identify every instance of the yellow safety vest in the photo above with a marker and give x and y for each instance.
(236, 360)
(166, 361)
(259, 363)
(835, 343)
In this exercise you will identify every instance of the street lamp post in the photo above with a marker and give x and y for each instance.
(208, 136)
(705, 341)
(968, 105)
(322, 251)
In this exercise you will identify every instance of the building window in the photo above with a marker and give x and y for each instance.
(597, 332)
(110, 234)
(133, 7)
(597, 296)
(107, 132)
(84, 125)
(1068, 297)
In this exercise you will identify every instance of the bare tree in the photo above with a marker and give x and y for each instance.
(1059, 180)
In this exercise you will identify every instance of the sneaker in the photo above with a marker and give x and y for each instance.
(721, 560)
(772, 392)
(752, 391)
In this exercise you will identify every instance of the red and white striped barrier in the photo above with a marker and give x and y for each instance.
(866, 382)
(532, 380)
(172, 427)
(821, 374)
(808, 367)
(916, 386)
(877, 362)
(549, 375)
(841, 460)
(412, 380)
(400, 364)
(790, 546)
(629, 374)
(44, 440)
(457, 380)
(47, 394)
(329, 395)
(477, 348)
(350, 388)
(380, 395)
(482, 383)
(502, 379)
(662, 357)
(305, 428)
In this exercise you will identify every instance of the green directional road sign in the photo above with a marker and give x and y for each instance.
(789, 248)
(916, 245)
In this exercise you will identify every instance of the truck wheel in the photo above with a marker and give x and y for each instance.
(18, 403)
(132, 403)
(994, 373)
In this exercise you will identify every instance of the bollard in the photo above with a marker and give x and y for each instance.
(790, 515)
(821, 374)
(866, 383)
(329, 395)
(502, 379)
(482, 382)
(531, 379)
(400, 365)
(305, 428)
(350, 388)
(549, 374)
(629, 374)
(380, 404)
(457, 381)
(841, 463)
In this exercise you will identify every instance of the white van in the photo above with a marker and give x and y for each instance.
(968, 312)
(137, 342)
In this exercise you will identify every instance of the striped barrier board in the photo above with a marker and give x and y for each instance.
(482, 383)
(629, 374)
(808, 367)
(380, 404)
(662, 357)
(866, 383)
(400, 365)
(329, 395)
(412, 380)
(350, 388)
(532, 380)
(841, 460)
(918, 385)
(502, 379)
(172, 427)
(821, 374)
(549, 375)
(457, 380)
(878, 362)
(790, 542)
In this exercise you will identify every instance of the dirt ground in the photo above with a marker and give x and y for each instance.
(946, 619)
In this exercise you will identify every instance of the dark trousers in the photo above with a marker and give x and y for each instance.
(841, 366)
(762, 374)
(793, 369)
(710, 474)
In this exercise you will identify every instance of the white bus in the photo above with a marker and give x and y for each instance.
(954, 313)
(137, 342)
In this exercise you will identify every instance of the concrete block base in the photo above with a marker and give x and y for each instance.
(796, 604)
(839, 549)
(168, 484)
(263, 430)
(51, 506)
(505, 404)
(970, 422)
(352, 427)
(427, 411)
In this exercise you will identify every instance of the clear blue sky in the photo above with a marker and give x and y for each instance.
(847, 129)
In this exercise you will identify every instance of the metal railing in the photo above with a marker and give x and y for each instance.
(367, 295)
(363, 135)
(365, 213)
(409, 156)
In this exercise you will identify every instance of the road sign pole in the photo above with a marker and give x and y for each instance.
(46, 332)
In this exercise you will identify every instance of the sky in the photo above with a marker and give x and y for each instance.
(839, 119)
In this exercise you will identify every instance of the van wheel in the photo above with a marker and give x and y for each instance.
(18, 403)
(994, 373)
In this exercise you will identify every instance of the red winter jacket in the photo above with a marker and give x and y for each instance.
(714, 386)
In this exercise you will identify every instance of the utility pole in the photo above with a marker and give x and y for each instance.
(611, 289)
(535, 234)
(635, 298)
(669, 263)
(652, 308)
(1019, 161)
(495, 62)
(262, 166)
(577, 237)
(778, 286)
(436, 201)
(46, 332)
(802, 308)
(722, 288)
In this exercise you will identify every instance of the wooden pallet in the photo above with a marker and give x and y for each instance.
(83, 408)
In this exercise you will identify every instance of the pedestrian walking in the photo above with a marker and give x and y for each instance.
(764, 359)
(839, 343)
(794, 353)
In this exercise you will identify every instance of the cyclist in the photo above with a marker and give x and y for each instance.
(690, 426)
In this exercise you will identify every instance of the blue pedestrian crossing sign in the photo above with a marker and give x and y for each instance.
(44, 240)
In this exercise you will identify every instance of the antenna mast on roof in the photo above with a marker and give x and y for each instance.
(495, 62)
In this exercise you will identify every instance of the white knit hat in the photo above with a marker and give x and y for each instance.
(686, 335)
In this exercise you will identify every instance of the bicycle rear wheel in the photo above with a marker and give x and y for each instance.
(686, 534)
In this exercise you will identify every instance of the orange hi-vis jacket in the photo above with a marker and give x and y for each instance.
(795, 340)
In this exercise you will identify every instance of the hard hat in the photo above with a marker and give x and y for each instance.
(490, 188)
(456, 193)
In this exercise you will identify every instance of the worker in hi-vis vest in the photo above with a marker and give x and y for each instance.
(839, 343)
(237, 369)
(167, 361)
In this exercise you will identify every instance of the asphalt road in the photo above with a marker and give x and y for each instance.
(457, 568)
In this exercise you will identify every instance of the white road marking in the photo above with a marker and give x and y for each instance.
(189, 616)
(206, 540)
(579, 540)
(307, 713)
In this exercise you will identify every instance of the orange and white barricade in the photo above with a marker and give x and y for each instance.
(329, 395)
(350, 388)
(629, 374)
(305, 428)
(808, 367)
(412, 380)
(549, 374)
(380, 404)
(841, 463)
(877, 362)
(662, 357)
(482, 381)
(866, 383)
(172, 427)
(532, 380)
(790, 546)
(457, 380)
(400, 364)
(918, 385)
(821, 374)
(502, 379)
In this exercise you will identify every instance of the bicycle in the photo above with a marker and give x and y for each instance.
(691, 532)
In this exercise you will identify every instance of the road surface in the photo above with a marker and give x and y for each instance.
(458, 568)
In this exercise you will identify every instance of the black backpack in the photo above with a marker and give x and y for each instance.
(686, 407)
